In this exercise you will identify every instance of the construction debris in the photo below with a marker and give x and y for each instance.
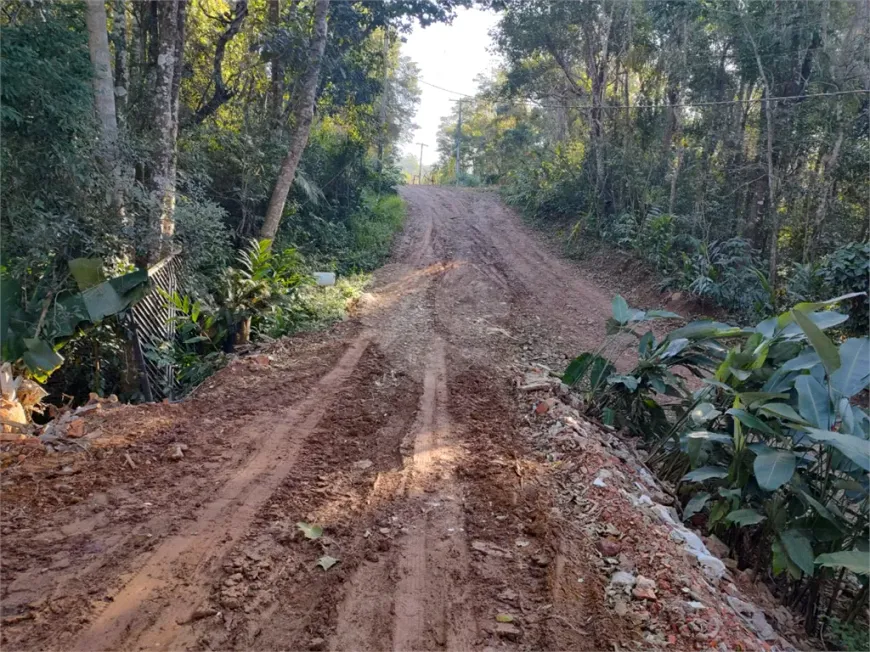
(660, 575)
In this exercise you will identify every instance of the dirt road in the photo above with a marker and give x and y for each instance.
(399, 432)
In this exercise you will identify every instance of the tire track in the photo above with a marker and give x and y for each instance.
(176, 578)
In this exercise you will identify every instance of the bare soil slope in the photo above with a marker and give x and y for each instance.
(403, 434)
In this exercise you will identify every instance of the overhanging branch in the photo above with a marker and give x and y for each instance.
(221, 94)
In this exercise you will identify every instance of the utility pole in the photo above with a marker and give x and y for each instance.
(383, 110)
(420, 176)
(458, 138)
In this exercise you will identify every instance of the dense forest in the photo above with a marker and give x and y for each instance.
(197, 131)
(725, 142)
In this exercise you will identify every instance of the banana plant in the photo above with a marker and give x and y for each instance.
(34, 328)
(791, 436)
(774, 440)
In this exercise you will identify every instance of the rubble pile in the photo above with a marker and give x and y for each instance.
(661, 578)
(69, 431)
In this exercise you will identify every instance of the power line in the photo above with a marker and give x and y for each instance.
(754, 100)
(446, 90)
(662, 106)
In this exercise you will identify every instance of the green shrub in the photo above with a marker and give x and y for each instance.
(774, 441)
(848, 270)
(205, 240)
(468, 180)
(727, 274)
(372, 229)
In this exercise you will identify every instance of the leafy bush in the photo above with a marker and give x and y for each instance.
(468, 180)
(655, 240)
(773, 442)
(318, 306)
(206, 243)
(34, 325)
(727, 273)
(262, 282)
(372, 229)
(262, 288)
(848, 270)
(197, 350)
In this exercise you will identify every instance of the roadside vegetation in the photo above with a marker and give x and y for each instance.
(726, 143)
(764, 431)
(241, 166)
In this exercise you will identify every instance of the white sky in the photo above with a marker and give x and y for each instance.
(450, 56)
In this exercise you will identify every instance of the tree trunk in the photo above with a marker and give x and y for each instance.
(104, 100)
(276, 76)
(170, 35)
(122, 73)
(771, 188)
(303, 115)
(104, 88)
(678, 162)
(825, 186)
(767, 107)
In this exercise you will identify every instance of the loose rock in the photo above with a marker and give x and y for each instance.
(509, 631)
(608, 547)
(644, 588)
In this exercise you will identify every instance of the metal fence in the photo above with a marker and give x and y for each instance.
(152, 325)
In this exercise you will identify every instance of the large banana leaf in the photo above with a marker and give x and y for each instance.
(705, 473)
(750, 420)
(112, 296)
(855, 448)
(855, 560)
(799, 550)
(40, 357)
(822, 320)
(813, 402)
(808, 307)
(704, 329)
(773, 468)
(87, 272)
(744, 517)
(66, 312)
(854, 372)
(823, 346)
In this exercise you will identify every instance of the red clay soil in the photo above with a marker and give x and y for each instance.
(448, 518)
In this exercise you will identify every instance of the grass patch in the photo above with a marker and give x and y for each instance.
(372, 229)
(324, 306)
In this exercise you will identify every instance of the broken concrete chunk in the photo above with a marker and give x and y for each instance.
(76, 428)
(716, 546)
(622, 581)
(644, 588)
(762, 627)
(712, 567)
(608, 547)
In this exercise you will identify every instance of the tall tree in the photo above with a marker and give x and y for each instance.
(170, 46)
(122, 70)
(104, 99)
(303, 115)
(104, 88)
